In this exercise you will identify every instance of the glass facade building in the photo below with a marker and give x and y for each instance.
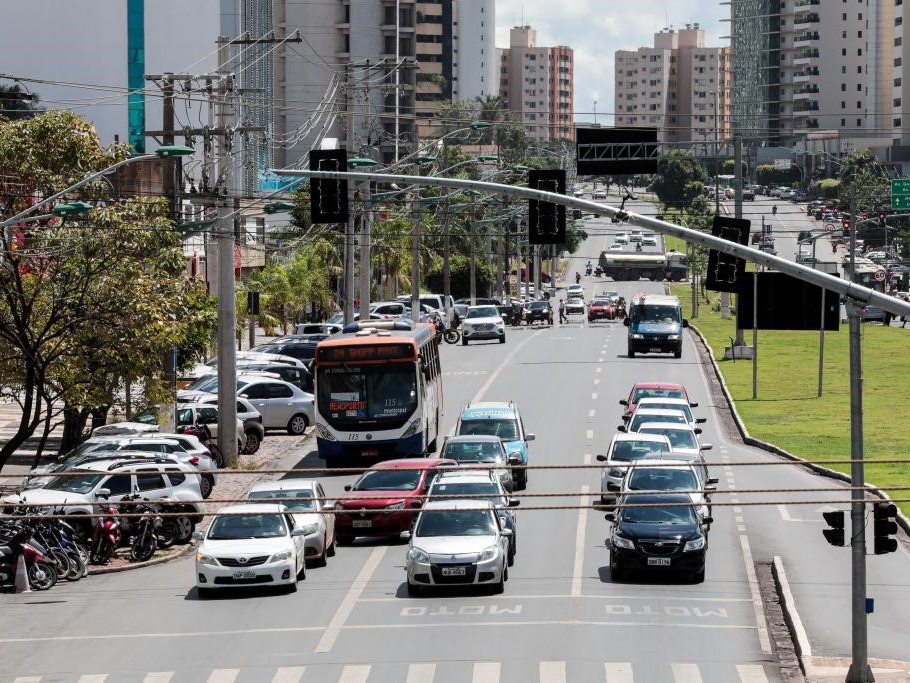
(755, 46)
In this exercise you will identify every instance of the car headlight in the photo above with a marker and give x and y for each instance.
(283, 555)
(615, 472)
(418, 555)
(638, 336)
(395, 506)
(488, 553)
(202, 558)
(621, 542)
(696, 544)
(673, 337)
(310, 528)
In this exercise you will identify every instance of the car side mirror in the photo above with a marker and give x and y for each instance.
(405, 535)
(622, 428)
(514, 502)
(626, 418)
(506, 532)
(706, 447)
(298, 532)
(626, 322)
(693, 404)
(712, 480)
(707, 520)
(623, 402)
(697, 430)
(530, 437)
(610, 517)
(514, 458)
(103, 493)
(612, 487)
(700, 420)
(348, 487)
(685, 323)
(602, 458)
(198, 535)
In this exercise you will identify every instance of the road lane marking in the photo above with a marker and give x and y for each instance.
(596, 381)
(739, 519)
(686, 673)
(580, 542)
(600, 360)
(619, 672)
(27, 679)
(355, 673)
(784, 513)
(160, 677)
(350, 600)
(421, 673)
(485, 672)
(751, 673)
(589, 434)
(552, 672)
(592, 412)
(763, 638)
(288, 674)
(597, 596)
(222, 676)
(736, 509)
(740, 527)
(597, 369)
(594, 396)
(95, 678)
(588, 458)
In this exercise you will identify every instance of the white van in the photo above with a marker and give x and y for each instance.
(436, 301)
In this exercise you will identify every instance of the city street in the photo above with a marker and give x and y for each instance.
(561, 618)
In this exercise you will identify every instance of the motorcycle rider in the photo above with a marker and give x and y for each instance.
(577, 278)
(774, 210)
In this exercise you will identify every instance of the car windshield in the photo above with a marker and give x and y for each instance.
(539, 306)
(659, 479)
(232, 527)
(681, 514)
(601, 302)
(388, 480)
(479, 451)
(651, 313)
(204, 383)
(456, 523)
(82, 483)
(483, 312)
(296, 499)
(83, 448)
(488, 490)
(507, 430)
(147, 417)
(642, 392)
(640, 418)
(628, 451)
(679, 438)
(681, 407)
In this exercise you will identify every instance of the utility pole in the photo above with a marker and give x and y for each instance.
(415, 249)
(365, 257)
(349, 230)
(473, 237)
(227, 304)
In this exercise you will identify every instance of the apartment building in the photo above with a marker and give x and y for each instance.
(680, 86)
(538, 85)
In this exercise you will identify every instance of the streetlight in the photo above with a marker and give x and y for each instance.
(419, 161)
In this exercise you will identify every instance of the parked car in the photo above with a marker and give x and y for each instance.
(305, 499)
(249, 417)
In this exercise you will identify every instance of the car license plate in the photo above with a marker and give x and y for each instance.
(369, 453)
(362, 523)
(453, 571)
(655, 349)
(245, 574)
(659, 561)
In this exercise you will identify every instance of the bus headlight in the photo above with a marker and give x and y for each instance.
(324, 432)
(412, 428)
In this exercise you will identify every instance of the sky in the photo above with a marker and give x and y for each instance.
(595, 29)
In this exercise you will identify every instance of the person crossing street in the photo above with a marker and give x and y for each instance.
(562, 312)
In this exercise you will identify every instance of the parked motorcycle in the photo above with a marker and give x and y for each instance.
(41, 570)
(58, 539)
(106, 532)
(143, 530)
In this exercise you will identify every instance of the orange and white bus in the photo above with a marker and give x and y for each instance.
(378, 391)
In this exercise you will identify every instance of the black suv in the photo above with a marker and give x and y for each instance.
(302, 347)
(537, 310)
(668, 537)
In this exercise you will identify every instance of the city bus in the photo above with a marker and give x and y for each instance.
(378, 391)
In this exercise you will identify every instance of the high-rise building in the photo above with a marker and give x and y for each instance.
(679, 86)
(538, 84)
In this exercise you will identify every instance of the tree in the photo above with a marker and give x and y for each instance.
(15, 103)
(862, 178)
(88, 306)
(677, 177)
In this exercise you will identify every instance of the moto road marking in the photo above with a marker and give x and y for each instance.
(421, 673)
(580, 542)
(619, 672)
(552, 672)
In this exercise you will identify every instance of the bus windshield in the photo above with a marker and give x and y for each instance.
(656, 314)
(358, 394)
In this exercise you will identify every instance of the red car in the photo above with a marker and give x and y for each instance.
(601, 309)
(386, 498)
(653, 390)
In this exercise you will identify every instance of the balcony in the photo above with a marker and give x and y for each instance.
(806, 3)
(805, 22)
(805, 75)
(805, 93)
(805, 39)
(804, 57)
(804, 107)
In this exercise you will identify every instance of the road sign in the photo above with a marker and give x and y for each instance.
(829, 227)
(900, 193)
(900, 201)
(879, 276)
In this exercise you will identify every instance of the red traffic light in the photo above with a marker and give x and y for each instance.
(884, 528)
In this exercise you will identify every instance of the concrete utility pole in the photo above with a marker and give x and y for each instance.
(349, 229)
(365, 256)
(473, 237)
(415, 249)
(227, 303)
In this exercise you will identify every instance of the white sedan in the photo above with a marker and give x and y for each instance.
(575, 305)
(250, 545)
(305, 499)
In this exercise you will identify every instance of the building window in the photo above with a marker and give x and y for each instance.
(859, 52)
(859, 34)
(898, 41)
(843, 34)
(897, 101)
(843, 105)
(843, 52)
(843, 87)
(859, 69)
(843, 122)
(843, 69)
(897, 61)
(897, 122)
(859, 87)
(859, 105)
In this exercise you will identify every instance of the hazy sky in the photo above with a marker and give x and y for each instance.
(595, 29)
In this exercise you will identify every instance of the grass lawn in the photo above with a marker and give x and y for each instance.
(788, 412)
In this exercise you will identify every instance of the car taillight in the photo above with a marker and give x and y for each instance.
(194, 460)
(259, 419)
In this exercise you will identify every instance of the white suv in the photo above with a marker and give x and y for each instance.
(80, 491)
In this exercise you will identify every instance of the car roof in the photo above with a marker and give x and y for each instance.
(658, 498)
(473, 438)
(658, 385)
(458, 504)
(644, 401)
(661, 462)
(283, 485)
(657, 411)
(413, 464)
(489, 409)
(127, 458)
(254, 508)
(668, 425)
(467, 476)
(639, 436)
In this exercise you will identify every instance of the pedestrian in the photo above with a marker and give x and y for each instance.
(562, 312)
(888, 317)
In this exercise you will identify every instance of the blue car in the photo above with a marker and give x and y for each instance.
(497, 418)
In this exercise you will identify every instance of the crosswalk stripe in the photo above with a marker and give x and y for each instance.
(158, 677)
(93, 678)
(552, 672)
(421, 673)
(686, 673)
(486, 672)
(27, 679)
(223, 675)
(751, 673)
(288, 674)
(355, 674)
(619, 672)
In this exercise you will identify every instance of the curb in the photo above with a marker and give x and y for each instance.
(187, 549)
(791, 615)
(902, 520)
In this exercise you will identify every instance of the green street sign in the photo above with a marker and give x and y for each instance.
(900, 186)
(900, 201)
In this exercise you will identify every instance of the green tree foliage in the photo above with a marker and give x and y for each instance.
(766, 174)
(678, 175)
(829, 188)
(91, 305)
(461, 276)
(863, 178)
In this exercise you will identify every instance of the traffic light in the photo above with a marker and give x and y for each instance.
(884, 528)
(546, 221)
(881, 219)
(846, 224)
(328, 197)
(835, 520)
(723, 269)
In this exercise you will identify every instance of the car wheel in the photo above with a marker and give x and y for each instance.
(204, 593)
(698, 577)
(206, 484)
(464, 342)
(330, 551)
(344, 539)
(185, 528)
(298, 424)
(616, 572)
(301, 572)
(252, 442)
(413, 590)
(511, 556)
(498, 588)
(502, 339)
(677, 353)
(631, 352)
(321, 560)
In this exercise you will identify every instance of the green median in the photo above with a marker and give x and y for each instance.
(788, 412)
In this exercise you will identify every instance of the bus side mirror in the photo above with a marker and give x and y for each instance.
(626, 321)
(685, 323)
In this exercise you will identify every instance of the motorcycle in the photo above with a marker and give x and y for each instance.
(143, 539)
(58, 539)
(40, 568)
(106, 532)
(598, 271)
(204, 434)
(447, 333)
(588, 270)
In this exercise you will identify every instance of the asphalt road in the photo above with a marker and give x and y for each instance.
(561, 617)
